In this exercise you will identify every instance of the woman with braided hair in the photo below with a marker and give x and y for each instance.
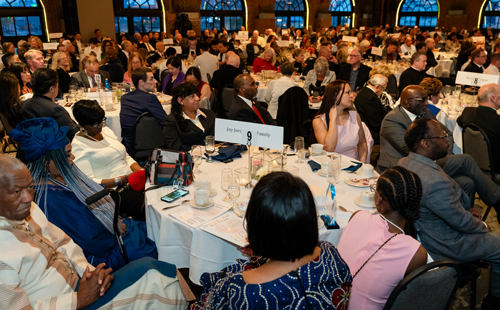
(375, 246)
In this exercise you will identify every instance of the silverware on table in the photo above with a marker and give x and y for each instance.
(170, 207)
(344, 209)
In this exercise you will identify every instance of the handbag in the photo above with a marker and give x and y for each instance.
(316, 91)
(166, 166)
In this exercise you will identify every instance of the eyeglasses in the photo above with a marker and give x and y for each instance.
(373, 188)
(99, 124)
(421, 99)
(355, 55)
(445, 137)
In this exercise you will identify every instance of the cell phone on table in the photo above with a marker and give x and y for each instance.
(173, 196)
(69, 104)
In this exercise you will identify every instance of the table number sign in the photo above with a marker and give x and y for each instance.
(237, 132)
(50, 46)
(376, 51)
(178, 49)
(475, 39)
(475, 79)
(168, 41)
(243, 33)
(350, 39)
(283, 43)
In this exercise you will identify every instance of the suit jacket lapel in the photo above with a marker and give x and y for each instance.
(404, 116)
(85, 80)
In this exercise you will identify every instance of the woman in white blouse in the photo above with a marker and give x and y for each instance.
(103, 158)
(279, 87)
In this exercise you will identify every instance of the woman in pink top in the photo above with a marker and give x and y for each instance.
(336, 127)
(397, 198)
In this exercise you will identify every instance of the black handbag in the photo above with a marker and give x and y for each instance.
(316, 91)
(165, 165)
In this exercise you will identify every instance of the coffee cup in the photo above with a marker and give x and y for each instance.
(109, 105)
(317, 148)
(366, 171)
(206, 185)
(201, 197)
(324, 168)
(367, 198)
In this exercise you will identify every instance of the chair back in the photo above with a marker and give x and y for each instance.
(429, 287)
(293, 112)
(228, 94)
(148, 135)
(369, 141)
(209, 78)
(475, 142)
(162, 78)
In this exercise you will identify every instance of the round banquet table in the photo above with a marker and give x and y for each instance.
(200, 251)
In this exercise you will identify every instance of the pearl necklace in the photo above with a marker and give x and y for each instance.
(392, 224)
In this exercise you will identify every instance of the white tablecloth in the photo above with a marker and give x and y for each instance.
(202, 252)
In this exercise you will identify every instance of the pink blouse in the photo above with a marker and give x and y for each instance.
(347, 136)
(362, 236)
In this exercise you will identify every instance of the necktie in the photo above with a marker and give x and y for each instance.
(254, 107)
(94, 84)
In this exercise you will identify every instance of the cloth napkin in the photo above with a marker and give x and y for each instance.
(353, 168)
(314, 165)
(232, 151)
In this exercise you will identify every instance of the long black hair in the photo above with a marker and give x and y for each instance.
(181, 91)
(9, 98)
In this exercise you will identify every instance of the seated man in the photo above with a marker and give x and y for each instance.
(86, 77)
(113, 65)
(333, 64)
(244, 108)
(486, 117)
(408, 48)
(390, 52)
(356, 73)
(494, 66)
(207, 63)
(431, 59)
(225, 75)
(416, 73)
(57, 265)
(137, 102)
(448, 227)
(477, 60)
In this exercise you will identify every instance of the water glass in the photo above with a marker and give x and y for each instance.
(242, 177)
(457, 91)
(225, 182)
(197, 155)
(233, 192)
(299, 146)
(210, 147)
(334, 167)
(284, 153)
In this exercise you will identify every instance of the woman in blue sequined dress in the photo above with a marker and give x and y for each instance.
(291, 269)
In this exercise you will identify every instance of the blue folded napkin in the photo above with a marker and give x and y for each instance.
(314, 165)
(232, 151)
(353, 168)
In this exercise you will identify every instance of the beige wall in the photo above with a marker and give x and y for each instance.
(94, 14)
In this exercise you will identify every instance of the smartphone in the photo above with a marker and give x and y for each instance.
(69, 104)
(173, 196)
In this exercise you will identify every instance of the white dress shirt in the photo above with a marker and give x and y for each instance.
(408, 50)
(207, 63)
(274, 91)
(196, 120)
(492, 70)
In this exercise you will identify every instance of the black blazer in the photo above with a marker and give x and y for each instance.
(411, 77)
(115, 70)
(371, 111)
(251, 53)
(123, 58)
(240, 111)
(472, 67)
(363, 74)
(176, 139)
(431, 60)
(185, 51)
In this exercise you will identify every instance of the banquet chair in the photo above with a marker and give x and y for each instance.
(228, 94)
(148, 135)
(293, 112)
(430, 287)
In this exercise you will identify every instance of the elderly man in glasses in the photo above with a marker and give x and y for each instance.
(448, 227)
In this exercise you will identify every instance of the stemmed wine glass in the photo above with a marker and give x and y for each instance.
(210, 147)
(197, 155)
(298, 146)
(226, 181)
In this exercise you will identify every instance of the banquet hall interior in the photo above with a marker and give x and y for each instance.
(237, 154)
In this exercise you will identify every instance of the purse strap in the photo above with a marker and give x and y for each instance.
(374, 254)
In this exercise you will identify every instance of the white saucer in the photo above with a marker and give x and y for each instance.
(210, 203)
(357, 202)
(319, 154)
(320, 173)
(213, 192)
(320, 223)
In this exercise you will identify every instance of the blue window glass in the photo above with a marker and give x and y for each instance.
(233, 23)
(8, 26)
(217, 14)
(340, 6)
(289, 5)
(121, 24)
(19, 3)
(219, 5)
(420, 6)
(490, 16)
(423, 13)
(140, 4)
(281, 21)
(35, 25)
(21, 26)
(155, 24)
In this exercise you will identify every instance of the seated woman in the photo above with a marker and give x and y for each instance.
(60, 64)
(280, 57)
(175, 75)
(134, 61)
(36, 43)
(61, 189)
(317, 79)
(342, 55)
(103, 158)
(336, 127)
(433, 88)
(10, 104)
(23, 75)
(266, 61)
(187, 124)
(390, 94)
(193, 76)
(452, 44)
(279, 87)
(397, 199)
(299, 63)
(270, 39)
(290, 262)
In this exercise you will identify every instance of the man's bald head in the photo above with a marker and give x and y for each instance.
(414, 99)
(324, 51)
(233, 60)
(489, 96)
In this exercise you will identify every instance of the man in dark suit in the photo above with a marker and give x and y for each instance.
(124, 52)
(113, 65)
(431, 59)
(390, 52)
(86, 77)
(45, 85)
(477, 60)
(416, 73)
(159, 54)
(324, 51)
(356, 73)
(225, 76)
(192, 48)
(137, 102)
(448, 227)
(244, 108)
(486, 117)
(253, 50)
(370, 109)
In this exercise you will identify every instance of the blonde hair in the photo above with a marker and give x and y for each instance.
(29, 55)
(38, 42)
(381, 69)
(131, 57)
(432, 86)
(342, 55)
(269, 50)
(55, 62)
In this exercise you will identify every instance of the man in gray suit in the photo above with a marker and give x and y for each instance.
(448, 227)
(86, 77)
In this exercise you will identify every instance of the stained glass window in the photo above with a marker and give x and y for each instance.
(490, 15)
(128, 18)
(420, 6)
(140, 4)
(291, 13)
(218, 5)
(19, 3)
(20, 18)
(423, 13)
(289, 5)
(340, 6)
(229, 14)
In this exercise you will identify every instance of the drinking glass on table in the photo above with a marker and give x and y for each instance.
(242, 177)
(457, 91)
(334, 166)
(299, 146)
(233, 192)
(197, 155)
(210, 147)
(225, 182)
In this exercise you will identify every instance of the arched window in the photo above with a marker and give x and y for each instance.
(140, 16)
(290, 13)
(490, 14)
(229, 14)
(341, 12)
(423, 13)
(20, 18)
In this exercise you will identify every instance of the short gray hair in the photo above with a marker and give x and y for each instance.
(321, 64)
(9, 163)
(287, 69)
(29, 55)
(487, 91)
(378, 80)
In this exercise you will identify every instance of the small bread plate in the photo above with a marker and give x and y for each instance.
(210, 203)
(213, 192)
(358, 203)
(320, 173)
(320, 223)
(357, 181)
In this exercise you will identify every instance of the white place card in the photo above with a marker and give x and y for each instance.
(376, 51)
(362, 28)
(350, 39)
(236, 132)
(475, 79)
(168, 41)
(392, 35)
(55, 35)
(50, 46)
(178, 49)
(475, 39)
(197, 217)
(283, 43)
(242, 38)
(228, 227)
(243, 33)
(98, 96)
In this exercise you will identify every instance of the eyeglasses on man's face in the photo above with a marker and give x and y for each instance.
(420, 99)
(445, 136)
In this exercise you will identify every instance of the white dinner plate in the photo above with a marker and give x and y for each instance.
(210, 203)
(357, 181)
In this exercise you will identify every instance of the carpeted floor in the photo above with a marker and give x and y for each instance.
(462, 297)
